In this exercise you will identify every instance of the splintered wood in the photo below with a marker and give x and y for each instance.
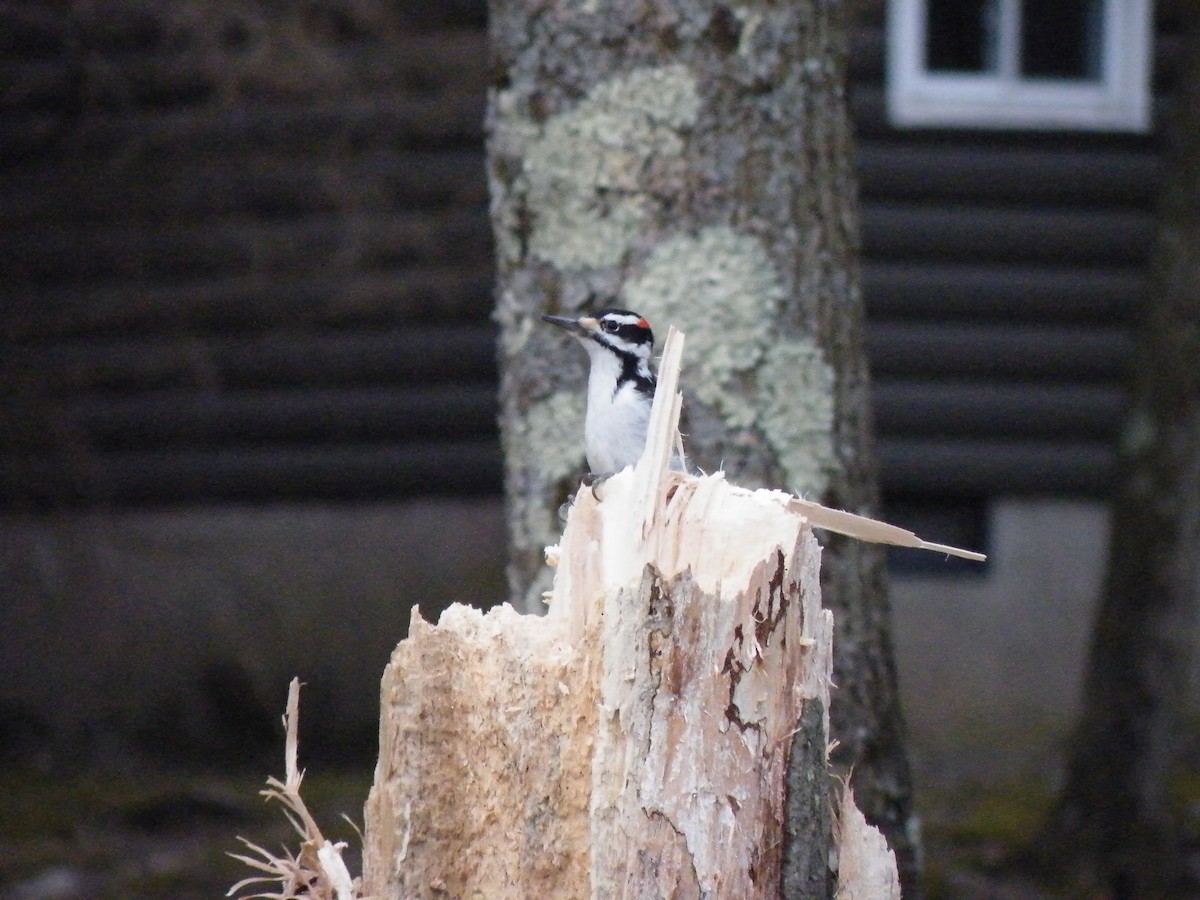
(866, 867)
(633, 742)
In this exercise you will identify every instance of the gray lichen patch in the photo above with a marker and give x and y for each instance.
(546, 443)
(516, 325)
(723, 290)
(583, 168)
(795, 396)
(550, 437)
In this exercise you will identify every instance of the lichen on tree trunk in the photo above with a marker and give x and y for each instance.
(694, 162)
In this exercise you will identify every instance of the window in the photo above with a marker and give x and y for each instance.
(1020, 63)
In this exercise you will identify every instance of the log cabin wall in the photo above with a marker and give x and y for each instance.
(1002, 270)
(246, 257)
(245, 252)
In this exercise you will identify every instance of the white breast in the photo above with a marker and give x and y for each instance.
(614, 430)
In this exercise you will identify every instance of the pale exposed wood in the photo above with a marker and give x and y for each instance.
(872, 530)
(866, 867)
(483, 780)
(634, 741)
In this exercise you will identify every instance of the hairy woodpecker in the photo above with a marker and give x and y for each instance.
(620, 386)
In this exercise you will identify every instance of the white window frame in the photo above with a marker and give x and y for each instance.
(1118, 101)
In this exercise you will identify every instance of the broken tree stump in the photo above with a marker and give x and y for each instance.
(634, 741)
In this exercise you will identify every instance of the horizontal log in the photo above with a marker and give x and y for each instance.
(911, 350)
(264, 185)
(974, 291)
(418, 354)
(987, 409)
(946, 467)
(189, 419)
(162, 137)
(973, 171)
(443, 44)
(52, 254)
(276, 474)
(252, 304)
(895, 232)
(425, 64)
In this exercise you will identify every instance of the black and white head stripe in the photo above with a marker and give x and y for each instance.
(629, 328)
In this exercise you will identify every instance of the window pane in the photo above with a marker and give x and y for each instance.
(960, 35)
(1061, 38)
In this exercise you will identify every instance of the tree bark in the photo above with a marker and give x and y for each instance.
(1111, 825)
(693, 162)
(632, 743)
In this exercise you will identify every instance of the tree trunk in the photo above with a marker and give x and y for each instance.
(1111, 825)
(632, 743)
(693, 162)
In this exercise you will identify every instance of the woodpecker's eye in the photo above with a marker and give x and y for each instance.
(610, 326)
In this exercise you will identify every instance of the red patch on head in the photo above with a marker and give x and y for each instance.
(642, 323)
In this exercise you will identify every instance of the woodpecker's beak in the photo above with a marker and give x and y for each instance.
(581, 327)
